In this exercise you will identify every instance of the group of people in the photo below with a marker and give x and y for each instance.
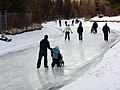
(76, 21)
(55, 52)
(105, 29)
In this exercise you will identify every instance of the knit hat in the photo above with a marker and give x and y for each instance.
(57, 47)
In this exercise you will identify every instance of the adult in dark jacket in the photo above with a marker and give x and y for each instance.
(94, 27)
(72, 23)
(44, 44)
(80, 31)
(106, 30)
(60, 23)
(65, 23)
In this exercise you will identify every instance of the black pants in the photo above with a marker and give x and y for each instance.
(94, 30)
(67, 34)
(41, 54)
(55, 61)
(60, 24)
(106, 36)
(80, 36)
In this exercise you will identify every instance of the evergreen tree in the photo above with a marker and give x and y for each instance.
(114, 7)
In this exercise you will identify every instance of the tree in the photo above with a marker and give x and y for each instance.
(114, 7)
(46, 6)
(88, 8)
(4, 5)
(37, 12)
(67, 9)
(17, 6)
(114, 1)
(59, 7)
(75, 8)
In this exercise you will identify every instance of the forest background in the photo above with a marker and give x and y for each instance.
(49, 10)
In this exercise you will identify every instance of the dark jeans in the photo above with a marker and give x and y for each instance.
(67, 34)
(80, 36)
(106, 36)
(94, 30)
(55, 61)
(41, 54)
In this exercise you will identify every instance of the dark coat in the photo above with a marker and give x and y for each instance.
(95, 25)
(80, 29)
(106, 29)
(44, 44)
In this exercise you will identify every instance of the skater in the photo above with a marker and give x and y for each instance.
(76, 21)
(94, 27)
(65, 23)
(44, 44)
(80, 31)
(60, 23)
(72, 23)
(106, 30)
(56, 57)
(67, 31)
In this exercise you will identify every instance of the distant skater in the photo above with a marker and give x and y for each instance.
(76, 21)
(80, 31)
(106, 30)
(72, 23)
(94, 27)
(60, 23)
(44, 44)
(67, 31)
(65, 23)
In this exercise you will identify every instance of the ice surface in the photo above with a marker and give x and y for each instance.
(18, 68)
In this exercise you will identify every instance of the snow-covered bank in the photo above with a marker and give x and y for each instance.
(27, 39)
(105, 75)
(106, 19)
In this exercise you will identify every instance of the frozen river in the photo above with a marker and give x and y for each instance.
(18, 68)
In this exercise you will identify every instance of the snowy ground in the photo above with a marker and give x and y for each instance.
(86, 65)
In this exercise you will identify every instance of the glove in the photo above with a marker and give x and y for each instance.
(51, 49)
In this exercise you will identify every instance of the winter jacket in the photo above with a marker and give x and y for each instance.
(44, 44)
(67, 29)
(55, 53)
(80, 29)
(106, 29)
(95, 25)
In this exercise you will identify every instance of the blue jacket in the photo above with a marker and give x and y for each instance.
(55, 53)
